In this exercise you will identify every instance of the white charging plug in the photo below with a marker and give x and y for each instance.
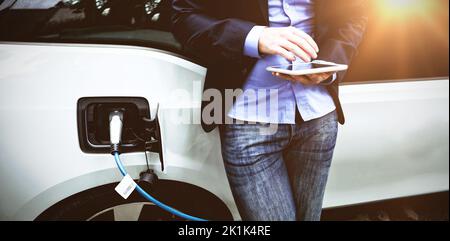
(115, 130)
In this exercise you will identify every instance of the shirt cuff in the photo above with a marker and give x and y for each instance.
(251, 46)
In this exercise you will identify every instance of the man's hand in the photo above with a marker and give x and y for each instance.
(313, 79)
(289, 43)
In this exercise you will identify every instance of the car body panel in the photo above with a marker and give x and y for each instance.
(395, 142)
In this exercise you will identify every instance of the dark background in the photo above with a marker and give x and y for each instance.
(400, 43)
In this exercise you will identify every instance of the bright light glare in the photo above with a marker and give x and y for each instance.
(403, 8)
(401, 3)
(397, 21)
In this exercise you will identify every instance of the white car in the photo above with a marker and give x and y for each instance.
(395, 142)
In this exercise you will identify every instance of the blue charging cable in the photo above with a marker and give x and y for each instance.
(152, 199)
(115, 135)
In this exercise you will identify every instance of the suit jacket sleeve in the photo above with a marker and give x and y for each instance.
(341, 43)
(201, 29)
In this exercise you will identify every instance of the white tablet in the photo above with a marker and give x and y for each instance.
(315, 67)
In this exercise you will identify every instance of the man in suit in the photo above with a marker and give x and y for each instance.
(281, 175)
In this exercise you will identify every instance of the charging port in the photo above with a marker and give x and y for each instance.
(93, 123)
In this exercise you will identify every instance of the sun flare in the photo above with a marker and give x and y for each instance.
(403, 9)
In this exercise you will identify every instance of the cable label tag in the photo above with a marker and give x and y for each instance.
(126, 186)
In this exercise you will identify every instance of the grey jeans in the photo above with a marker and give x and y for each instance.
(281, 176)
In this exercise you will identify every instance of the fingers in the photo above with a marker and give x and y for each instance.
(324, 76)
(317, 78)
(308, 38)
(304, 45)
(283, 76)
(289, 43)
(295, 49)
(300, 78)
(304, 79)
(312, 79)
(284, 53)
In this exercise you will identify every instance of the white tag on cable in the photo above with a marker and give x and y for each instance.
(126, 186)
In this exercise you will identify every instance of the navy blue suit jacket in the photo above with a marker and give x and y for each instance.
(215, 31)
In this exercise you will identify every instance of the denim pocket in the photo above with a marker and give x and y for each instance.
(246, 140)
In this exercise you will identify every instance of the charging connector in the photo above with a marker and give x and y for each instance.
(115, 130)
